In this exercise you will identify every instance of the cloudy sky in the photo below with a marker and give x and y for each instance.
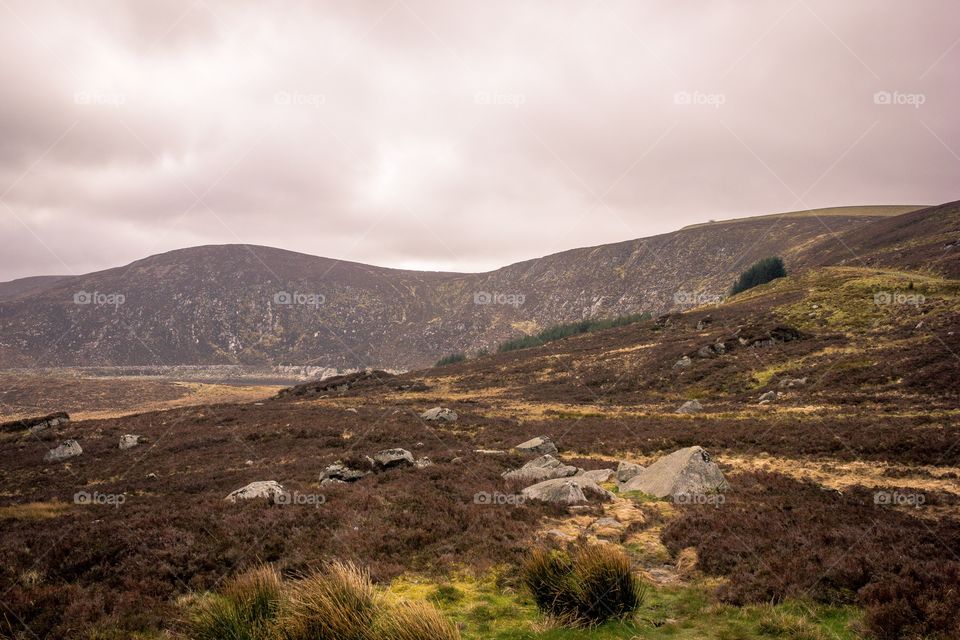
(456, 135)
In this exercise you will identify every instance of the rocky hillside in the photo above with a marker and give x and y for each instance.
(257, 305)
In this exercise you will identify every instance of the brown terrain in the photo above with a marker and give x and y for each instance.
(844, 507)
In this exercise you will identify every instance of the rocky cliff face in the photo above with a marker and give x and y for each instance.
(257, 305)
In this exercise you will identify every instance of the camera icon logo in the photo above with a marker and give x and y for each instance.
(283, 297)
(882, 97)
(482, 297)
(882, 297)
(82, 297)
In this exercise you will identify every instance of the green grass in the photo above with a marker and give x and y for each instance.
(560, 331)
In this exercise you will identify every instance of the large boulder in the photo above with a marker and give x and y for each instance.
(439, 414)
(67, 449)
(627, 470)
(689, 471)
(339, 472)
(266, 489)
(567, 491)
(129, 441)
(597, 475)
(543, 468)
(540, 445)
(391, 458)
(690, 406)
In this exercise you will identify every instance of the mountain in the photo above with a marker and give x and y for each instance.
(258, 305)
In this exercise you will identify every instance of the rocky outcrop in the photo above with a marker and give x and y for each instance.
(567, 491)
(36, 424)
(392, 458)
(597, 475)
(264, 489)
(540, 445)
(129, 441)
(690, 406)
(338, 472)
(439, 414)
(67, 449)
(545, 467)
(768, 397)
(627, 470)
(689, 471)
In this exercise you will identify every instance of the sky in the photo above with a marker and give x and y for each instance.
(455, 135)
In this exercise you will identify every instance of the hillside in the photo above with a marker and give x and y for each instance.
(257, 305)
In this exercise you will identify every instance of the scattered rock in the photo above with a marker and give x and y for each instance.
(690, 406)
(423, 463)
(683, 363)
(339, 472)
(490, 452)
(769, 396)
(36, 424)
(392, 458)
(720, 348)
(627, 470)
(689, 471)
(705, 322)
(560, 536)
(68, 449)
(129, 441)
(597, 475)
(543, 468)
(706, 351)
(793, 382)
(539, 445)
(249, 463)
(568, 491)
(351, 410)
(607, 529)
(266, 489)
(151, 476)
(439, 414)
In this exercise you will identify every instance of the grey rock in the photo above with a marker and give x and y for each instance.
(769, 396)
(627, 470)
(339, 472)
(690, 406)
(683, 363)
(793, 382)
(423, 463)
(439, 414)
(543, 468)
(539, 445)
(706, 351)
(67, 449)
(391, 458)
(129, 441)
(597, 475)
(720, 348)
(689, 471)
(568, 491)
(265, 489)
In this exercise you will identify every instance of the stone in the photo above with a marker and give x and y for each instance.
(607, 529)
(543, 468)
(683, 363)
(793, 382)
(129, 441)
(439, 414)
(67, 449)
(597, 475)
(339, 472)
(539, 445)
(627, 470)
(688, 471)
(567, 491)
(706, 351)
(36, 424)
(391, 458)
(769, 396)
(720, 348)
(690, 406)
(423, 463)
(264, 489)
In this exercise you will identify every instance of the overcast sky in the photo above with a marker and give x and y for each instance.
(456, 135)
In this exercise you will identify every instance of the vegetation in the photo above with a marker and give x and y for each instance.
(761, 272)
(572, 329)
(452, 358)
(585, 587)
(340, 603)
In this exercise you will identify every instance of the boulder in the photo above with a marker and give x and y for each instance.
(793, 382)
(539, 445)
(339, 472)
(690, 406)
(36, 424)
(543, 468)
(627, 470)
(567, 491)
(597, 475)
(265, 489)
(607, 529)
(769, 396)
(683, 363)
(706, 351)
(423, 463)
(392, 458)
(129, 441)
(67, 449)
(439, 414)
(689, 471)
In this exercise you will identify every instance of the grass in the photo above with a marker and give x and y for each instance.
(33, 511)
(560, 331)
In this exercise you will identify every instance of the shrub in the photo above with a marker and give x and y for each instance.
(339, 603)
(760, 272)
(244, 610)
(585, 587)
(566, 330)
(452, 358)
(415, 621)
